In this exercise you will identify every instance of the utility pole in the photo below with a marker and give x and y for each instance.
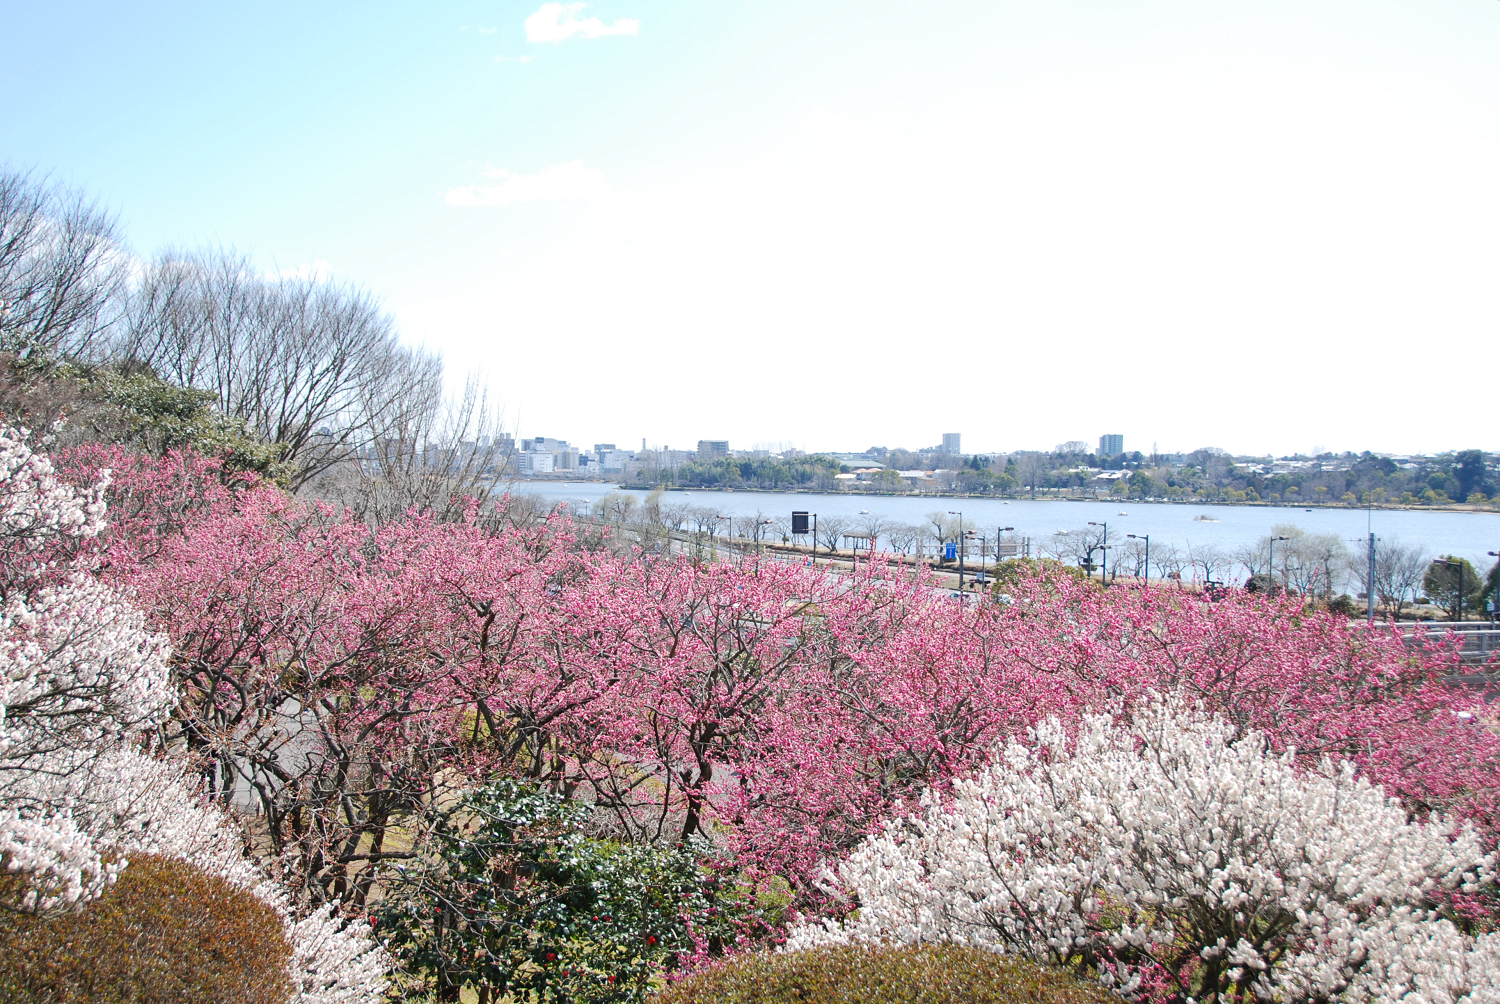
(960, 548)
(1370, 584)
(1103, 550)
(1271, 562)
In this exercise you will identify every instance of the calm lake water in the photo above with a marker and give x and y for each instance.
(1469, 535)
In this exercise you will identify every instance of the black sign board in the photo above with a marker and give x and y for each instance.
(799, 522)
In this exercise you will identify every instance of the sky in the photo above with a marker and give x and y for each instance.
(1265, 226)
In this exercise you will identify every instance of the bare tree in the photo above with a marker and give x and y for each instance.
(1130, 555)
(1253, 557)
(1075, 546)
(1168, 560)
(674, 515)
(310, 364)
(873, 524)
(1209, 558)
(1399, 569)
(831, 530)
(941, 528)
(428, 454)
(1306, 561)
(705, 520)
(753, 527)
(902, 537)
(62, 269)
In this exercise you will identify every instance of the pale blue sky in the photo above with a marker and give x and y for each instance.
(839, 224)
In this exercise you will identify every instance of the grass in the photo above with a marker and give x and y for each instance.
(926, 974)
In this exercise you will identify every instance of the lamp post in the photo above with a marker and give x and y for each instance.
(728, 529)
(960, 548)
(1271, 562)
(1103, 549)
(1147, 538)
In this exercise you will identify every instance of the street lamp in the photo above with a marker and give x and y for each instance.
(1271, 563)
(960, 548)
(1147, 538)
(998, 531)
(1103, 547)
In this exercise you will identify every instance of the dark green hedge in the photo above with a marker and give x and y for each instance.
(929, 974)
(164, 932)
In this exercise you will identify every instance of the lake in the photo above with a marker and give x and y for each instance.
(1469, 535)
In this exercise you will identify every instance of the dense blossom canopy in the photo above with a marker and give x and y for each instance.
(342, 678)
(1182, 862)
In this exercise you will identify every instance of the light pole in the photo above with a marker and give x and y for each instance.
(728, 529)
(1147, 538)
(1271, 562)
(1103, 549)
(960, 547)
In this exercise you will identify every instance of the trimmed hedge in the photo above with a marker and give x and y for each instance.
(928, 974)
(165, 931)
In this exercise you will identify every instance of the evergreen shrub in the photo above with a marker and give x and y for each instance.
(850, 974)
(164, 932)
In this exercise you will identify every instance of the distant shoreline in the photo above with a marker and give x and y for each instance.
(1383, 506)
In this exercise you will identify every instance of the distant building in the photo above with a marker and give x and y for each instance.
(604, 448)
(1111, 444)
(614, 461)
(713, 449)
(535, 463)
(564, 457)
(950, 444)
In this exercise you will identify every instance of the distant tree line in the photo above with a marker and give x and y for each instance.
(1461, 476)
(758, 472)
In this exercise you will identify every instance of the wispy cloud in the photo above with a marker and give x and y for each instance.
(488, 31)
(512, 59)
(559, 183)
(558, 22)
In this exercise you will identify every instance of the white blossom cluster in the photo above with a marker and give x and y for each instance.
(127, 803)
(78, 670)
(1164, 848)
(38, 509)
(81, 676)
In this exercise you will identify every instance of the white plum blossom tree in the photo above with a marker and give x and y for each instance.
(82, 678)
(1178, 861)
